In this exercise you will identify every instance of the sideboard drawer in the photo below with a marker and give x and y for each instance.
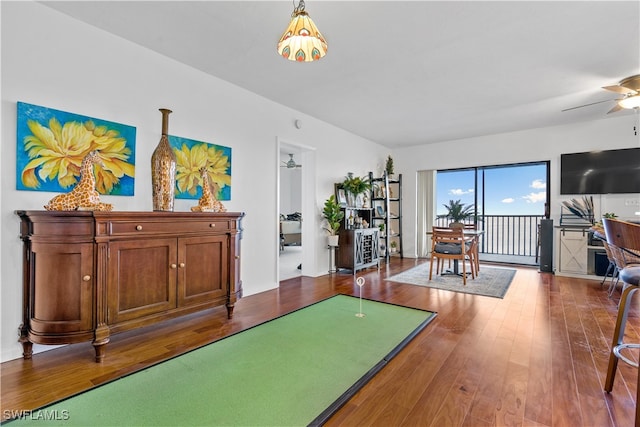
(159, 227)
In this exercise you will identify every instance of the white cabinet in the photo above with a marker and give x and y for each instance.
(573, 250)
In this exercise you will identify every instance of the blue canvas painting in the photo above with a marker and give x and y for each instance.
(52, 144)
(191, 157)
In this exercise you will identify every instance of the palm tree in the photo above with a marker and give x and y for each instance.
(457, 211)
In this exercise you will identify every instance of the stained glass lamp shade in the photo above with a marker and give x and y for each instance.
(301, 41)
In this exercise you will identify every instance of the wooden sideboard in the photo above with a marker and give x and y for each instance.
(87, 275)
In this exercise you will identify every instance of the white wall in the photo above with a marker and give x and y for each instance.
(524, 146)
(52, 60)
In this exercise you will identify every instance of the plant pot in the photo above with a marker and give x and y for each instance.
(332, 240)
(351, 199)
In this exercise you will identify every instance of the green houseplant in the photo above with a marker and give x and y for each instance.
(334, 216)
(388, 167)
(457, 211)
(354, 186)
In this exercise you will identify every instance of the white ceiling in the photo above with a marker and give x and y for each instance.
(402, 73)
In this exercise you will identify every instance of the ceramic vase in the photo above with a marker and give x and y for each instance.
(163, 169)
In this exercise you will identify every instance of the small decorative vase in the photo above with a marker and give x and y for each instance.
(163, 169)
(351, 199)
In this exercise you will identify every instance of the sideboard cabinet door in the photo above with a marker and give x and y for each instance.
(203, 269)
(62, 303)
(141, 279)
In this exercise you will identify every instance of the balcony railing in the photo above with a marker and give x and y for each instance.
(515, 235)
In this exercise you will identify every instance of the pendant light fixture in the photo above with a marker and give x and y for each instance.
(301, 41)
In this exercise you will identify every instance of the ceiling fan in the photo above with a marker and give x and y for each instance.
(629, 88)
(291, 163)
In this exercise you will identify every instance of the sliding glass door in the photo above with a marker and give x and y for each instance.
(509, 202)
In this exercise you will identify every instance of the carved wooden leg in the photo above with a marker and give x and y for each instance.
(230, 311)
(27, 346)
(100, 351)
(27, 349)
(101, 338)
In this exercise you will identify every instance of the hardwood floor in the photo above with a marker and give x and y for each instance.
(538, 357)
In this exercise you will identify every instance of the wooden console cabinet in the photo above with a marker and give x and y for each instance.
(358, 249)
(87, 275)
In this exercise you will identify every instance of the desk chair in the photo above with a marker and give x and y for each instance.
(624, 236)
(450, 243)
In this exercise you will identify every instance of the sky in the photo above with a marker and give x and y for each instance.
(515, 190)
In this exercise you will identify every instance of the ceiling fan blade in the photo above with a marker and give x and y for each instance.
(586, 105)
(619, 89)
(615, 108)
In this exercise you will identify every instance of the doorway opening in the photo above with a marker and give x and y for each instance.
(296, 196)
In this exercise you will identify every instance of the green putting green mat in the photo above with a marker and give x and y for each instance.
(294, 370)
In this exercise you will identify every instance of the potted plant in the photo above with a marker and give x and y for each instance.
(334, 216)
(388, 167)
(354, 186)
(457, 212)
(394, 246)
(598, 229)
(582, 209)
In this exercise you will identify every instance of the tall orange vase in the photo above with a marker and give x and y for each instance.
(163, 169)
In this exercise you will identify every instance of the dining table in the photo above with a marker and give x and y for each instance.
(467, 233)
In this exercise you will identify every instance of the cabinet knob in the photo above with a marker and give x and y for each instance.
(173, 266)
(182, 265)
(138, 227)
(212, 225)
(86, 278)
(237, 256)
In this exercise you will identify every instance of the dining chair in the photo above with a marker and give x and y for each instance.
(612, 268)
(474, 250)
(625, 236)
(451, 244)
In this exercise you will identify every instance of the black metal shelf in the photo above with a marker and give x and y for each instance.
(386, 186)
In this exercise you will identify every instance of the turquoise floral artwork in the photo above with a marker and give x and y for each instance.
(51, 145)
(193, 155)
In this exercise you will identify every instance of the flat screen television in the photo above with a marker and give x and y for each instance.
(600, 172)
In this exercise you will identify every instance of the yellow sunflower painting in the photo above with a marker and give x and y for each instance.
(191, 156)
(52, 144)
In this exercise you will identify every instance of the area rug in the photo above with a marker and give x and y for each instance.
(491, 282)
(295, 370)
